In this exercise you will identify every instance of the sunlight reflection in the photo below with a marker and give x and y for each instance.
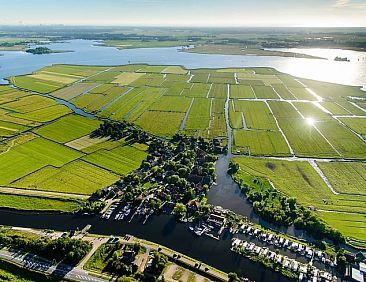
(310, 121)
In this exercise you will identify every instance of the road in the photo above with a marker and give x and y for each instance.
(36, 263)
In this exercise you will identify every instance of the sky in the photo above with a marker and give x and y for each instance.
(325, 13)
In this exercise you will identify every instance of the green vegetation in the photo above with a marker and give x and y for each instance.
(38, 85)
(300, 181)
(166, 123)
(68, 128)
(31, 156)
(76, 177)
(278, 208)
(32, 203)
(29, 103)
(257, 115)
(356, 124)
(350, 225)
(255, 142)
(13, 273)
(346, 177)
(293, 178)
(70, 251)
(121, 160)
(45, 114)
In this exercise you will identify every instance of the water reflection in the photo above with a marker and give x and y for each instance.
(85, 53)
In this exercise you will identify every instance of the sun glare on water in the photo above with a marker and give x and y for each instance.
(310, 121)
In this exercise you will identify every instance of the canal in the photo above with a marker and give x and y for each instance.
(163, 229)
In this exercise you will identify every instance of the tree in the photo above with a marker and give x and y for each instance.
(233, 277)
(180, 209)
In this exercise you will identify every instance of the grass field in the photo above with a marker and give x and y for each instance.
(241, 91)
(37, 85)
(127, 78)
(8, 94)
(199, 115)
(121, 160)
(172, 104)
(20, 202)
(68, 128)
(345, 142)
(73, 91)
(44, 114)
(31, 156)
(258, 142)
(303, 137)
(85, 142)
(257, 115)
(165, 123)
(298, 179)
(356, 124)
(77, 177)
(265, 92)
(29, 103)
(174, 70)
(8, 129)
(346, 177)
(352, 226)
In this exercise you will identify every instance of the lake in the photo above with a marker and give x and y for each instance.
(85, 52)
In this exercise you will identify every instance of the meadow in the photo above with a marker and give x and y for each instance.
(76, 177)
(68, 128)
(346, 177)
(38, 203)
(298, 179)
(165, 100)
(121, 160)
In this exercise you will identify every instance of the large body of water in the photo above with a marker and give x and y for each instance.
(86, 53)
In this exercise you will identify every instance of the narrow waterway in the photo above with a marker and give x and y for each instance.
(163, 229)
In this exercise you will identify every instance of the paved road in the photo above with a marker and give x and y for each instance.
(39, 264)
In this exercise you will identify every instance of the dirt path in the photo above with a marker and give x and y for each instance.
(30, 192)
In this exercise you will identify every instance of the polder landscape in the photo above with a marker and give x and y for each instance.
(139, 171)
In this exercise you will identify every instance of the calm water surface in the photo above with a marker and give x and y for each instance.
(85, 53)
(162, 229)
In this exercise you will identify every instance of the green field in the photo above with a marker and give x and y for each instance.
(121, 160)
(171, 104)
(44, 114)
(68, 128)
(356, 124)
(241, 91)
(37, 85)
(38, 203)
(74, 90)
(31, 156)
(165, 123)
(300, 180)
(29, 103)
(199, 115)
(351, 225)
(76, 177)
(257, 115)
(346, 177)
(256, 142)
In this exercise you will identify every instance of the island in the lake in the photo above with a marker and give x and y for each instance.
(44, 50)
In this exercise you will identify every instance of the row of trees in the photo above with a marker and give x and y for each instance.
(68, 250)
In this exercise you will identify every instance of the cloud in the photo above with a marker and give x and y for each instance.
(349, 4)
(342, 3)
